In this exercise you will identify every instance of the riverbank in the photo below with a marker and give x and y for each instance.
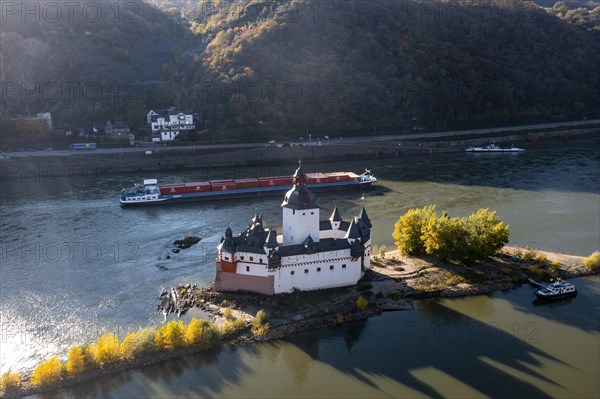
(392, 283)
(119, 165)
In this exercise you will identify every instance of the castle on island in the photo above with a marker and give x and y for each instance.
(310, 254)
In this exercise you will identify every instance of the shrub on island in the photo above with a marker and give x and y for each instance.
(592, 262)
(466, 239)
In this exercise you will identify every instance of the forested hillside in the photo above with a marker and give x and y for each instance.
(88, 63)
(290, 66)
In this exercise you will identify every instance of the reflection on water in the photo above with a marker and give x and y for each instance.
(444, 348)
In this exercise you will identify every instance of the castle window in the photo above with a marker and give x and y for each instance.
(318, 269)
(331, 267)
(303, 213)
(241, 257)
(293, 211)
(312, 213)
(247, 268)
(292, 272)
(343, 266)
(251, 258)
(305, 271)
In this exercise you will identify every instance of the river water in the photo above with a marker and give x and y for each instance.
(74, 264)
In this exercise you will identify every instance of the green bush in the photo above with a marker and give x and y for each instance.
(592, 262)
(382, 251)
(232, 327)
(228, 314)
(259, 324)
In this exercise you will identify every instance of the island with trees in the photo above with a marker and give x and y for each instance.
(436, 255)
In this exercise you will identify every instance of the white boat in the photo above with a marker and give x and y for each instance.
(556, 290)
(493, 148)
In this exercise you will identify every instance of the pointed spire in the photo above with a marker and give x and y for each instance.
(353, 231)
(272, 239)
(299, 175)
(335, 215)
(365, 218)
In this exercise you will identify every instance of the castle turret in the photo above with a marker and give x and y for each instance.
(300, 212)
(335, 219)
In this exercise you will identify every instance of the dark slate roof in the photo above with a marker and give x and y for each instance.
(299, 175)
(326, 225)
(309, 242)
(353, 231)
(325, 245)
(251, 240)
(272, 239)
(335, 215)
(365, 218)
(299, 197)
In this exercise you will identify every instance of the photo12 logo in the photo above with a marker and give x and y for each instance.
(53, 12)
(67, 92)
(68, 251)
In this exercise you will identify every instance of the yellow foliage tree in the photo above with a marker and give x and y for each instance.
(47, 373)
(362, 303)
(194, 332)
(170, 336)
(409, 228)
(10, 381)
(138, 343)
(592, 262)
(75, 361)
(107, 349)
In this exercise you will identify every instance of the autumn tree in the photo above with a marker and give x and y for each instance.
(170, 335)
(409, 228)
(476, 237)
(76, 361)
(47, 373)
(107, 349)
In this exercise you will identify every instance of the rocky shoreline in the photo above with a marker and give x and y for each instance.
(393, 283)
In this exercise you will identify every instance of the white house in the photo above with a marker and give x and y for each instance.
(47, 116)
(309, 255)
(169, 124)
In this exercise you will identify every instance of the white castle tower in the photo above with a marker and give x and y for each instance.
(300, 212)
(309, 255)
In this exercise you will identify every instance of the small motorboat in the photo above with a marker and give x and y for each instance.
(557, 290)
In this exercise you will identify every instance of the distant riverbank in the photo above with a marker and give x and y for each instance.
(120, 164)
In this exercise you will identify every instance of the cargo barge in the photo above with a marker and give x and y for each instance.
(152, 193)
